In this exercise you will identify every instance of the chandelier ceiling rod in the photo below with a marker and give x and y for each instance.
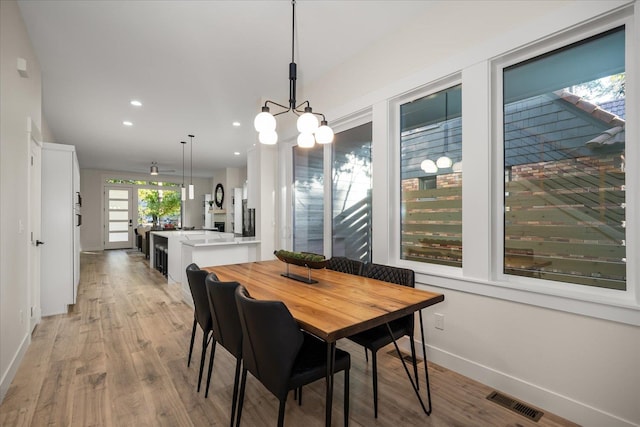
(293, 72)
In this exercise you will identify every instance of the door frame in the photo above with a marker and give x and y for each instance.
(34, 141)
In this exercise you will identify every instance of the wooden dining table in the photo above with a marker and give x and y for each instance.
(337, 306)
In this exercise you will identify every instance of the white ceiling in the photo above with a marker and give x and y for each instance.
(197, 66)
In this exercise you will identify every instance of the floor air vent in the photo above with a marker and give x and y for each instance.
(407, 357)
(515, 406)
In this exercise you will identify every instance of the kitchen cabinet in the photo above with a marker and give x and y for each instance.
(61, 221)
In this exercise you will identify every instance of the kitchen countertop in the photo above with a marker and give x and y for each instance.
(220, 241)
(192, 233)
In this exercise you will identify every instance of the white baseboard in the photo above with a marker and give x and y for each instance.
(545, 399)
(10, 373)
(96, 249)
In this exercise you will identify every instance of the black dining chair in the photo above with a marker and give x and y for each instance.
(201, 313)
(226, 328)
(345, 265)
(279, 354)
(378, 337)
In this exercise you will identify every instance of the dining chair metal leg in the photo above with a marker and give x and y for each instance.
(281, 412)
(346, 398)
(202, 357)
(374, 367)
(300, 396)
(213, 352)
(236, 380)
(243, 382)
(193, 337)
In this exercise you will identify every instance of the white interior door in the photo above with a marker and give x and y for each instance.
(35, 225)
(118, 218)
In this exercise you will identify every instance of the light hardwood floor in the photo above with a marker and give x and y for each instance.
(119, 359)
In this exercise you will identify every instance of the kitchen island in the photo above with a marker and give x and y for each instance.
(216, 250)
(173, 240)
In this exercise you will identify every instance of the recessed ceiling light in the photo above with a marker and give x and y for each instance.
(236, 153)
(236, 124)
(136, 103)
(127, 123)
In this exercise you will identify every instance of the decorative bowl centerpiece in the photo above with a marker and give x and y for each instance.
(303, 259)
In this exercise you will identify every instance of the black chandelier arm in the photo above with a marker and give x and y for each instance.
(286, 109)
(282, 112)
(300, 105)
(298, 111)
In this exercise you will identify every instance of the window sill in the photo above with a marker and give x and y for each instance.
(598, 303)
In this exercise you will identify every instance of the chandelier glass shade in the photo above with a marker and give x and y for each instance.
(314, 130)
(306, 140)
(154, 168)
(269, 137)
(324, 134)
(264, 121)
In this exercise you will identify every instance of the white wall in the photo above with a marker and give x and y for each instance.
(21, 98)
(194, 209)
(580, 367)
(91, 188)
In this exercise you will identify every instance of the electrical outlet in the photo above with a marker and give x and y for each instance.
(439, 321)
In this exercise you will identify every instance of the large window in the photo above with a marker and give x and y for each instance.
(350, 201)
(308, 199)
(431, 178)
(159, 203)
(159, 207)
(351, 193)
(564, 164)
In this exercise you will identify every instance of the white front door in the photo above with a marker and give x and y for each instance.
(118, 218)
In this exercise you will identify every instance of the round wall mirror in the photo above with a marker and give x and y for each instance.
(219, 196)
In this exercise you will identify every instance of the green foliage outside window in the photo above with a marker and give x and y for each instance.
(158, 205)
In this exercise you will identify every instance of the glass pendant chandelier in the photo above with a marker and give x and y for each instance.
(311, 131)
